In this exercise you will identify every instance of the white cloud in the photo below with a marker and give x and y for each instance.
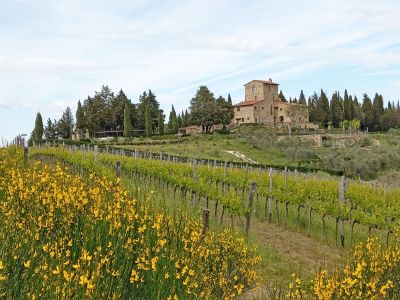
(56, 52)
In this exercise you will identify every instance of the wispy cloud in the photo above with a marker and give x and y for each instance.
(56, 52)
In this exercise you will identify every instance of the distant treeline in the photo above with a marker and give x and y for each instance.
(339, 111)
(106, 111)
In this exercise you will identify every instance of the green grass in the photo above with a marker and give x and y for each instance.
(215, 147)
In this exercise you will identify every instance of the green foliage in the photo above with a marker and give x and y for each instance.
(37, 133)
(148, 122)
(127, 121)
(80, 117)
(50, 131)
(65, 125)
(148, 101)
(160, 123)
(173, 121)
(261, 137)
(336, 110)
(207, 111)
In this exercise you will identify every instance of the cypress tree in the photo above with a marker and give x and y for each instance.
(302, 99)
(179, 121)
(378, 110)
(160, 123)
(148, 122)
(127, 120)
(37, 134)
(368, 113)
(80, 117)
(336, 111)
(229, 100)
(282, 97)
(187, 118)
(322, 110)
(172, 122)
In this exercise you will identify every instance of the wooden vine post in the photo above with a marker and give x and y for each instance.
(287, 201)
(26, 156)
(269, 198)
(194, 194)
(96, 149)
(342, 199)
(118, 169)
(250, 207)
(206, 220)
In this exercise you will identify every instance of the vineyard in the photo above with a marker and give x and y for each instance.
(305, 201)
(100, 225)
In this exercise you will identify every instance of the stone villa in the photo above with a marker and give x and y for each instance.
(263, 105)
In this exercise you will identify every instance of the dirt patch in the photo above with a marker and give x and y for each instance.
(242, 157)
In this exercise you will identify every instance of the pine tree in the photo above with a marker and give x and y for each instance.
(160, 123)
(50, 130)
(229, 99)
(66, 124)
(148, 122)
(37, 134)
(145, 100)
(118, 105)
(80, 117)
(127, 120)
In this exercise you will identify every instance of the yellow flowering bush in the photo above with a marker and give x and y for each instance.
(63, 236)
(373, 272)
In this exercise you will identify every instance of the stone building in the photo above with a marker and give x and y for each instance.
(263, 105)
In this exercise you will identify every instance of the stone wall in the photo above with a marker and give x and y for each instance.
(243, 114)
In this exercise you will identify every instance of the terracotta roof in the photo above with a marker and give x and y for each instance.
(246, 103)
(263, 81)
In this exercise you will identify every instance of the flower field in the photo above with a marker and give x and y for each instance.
(63, 236)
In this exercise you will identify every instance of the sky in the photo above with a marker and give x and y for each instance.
(56, 52)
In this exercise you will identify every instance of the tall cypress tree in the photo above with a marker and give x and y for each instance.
(282, 97)
(148, 122)
(80, 117)
(368, 113)
(378, 110)
(336, 110)
(229, 100)
(322, 110)
(160, 123)
(37, 134)
(172, 122)
(302, 98)
(127, 120)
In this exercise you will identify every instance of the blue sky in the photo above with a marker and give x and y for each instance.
(53, 53)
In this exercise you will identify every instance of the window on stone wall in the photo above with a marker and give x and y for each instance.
(255, 107)
(248, 118)
(281, 109)
(271, 109)
(262, 107)
(242, 119)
